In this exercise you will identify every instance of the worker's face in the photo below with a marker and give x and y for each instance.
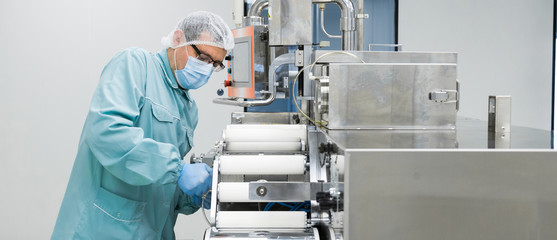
(208, 53)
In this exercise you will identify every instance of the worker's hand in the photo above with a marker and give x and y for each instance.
(199, 200)
(196, 179)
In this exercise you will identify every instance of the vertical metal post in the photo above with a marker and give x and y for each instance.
(360, 25)
(499, 114)
(499, 122)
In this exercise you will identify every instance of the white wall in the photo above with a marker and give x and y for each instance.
(51, 54)
(505, 48)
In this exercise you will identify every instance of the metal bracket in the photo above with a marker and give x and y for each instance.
(238, 117)
(299, 56)
(444, 96)
(279, 191)
(290, 191)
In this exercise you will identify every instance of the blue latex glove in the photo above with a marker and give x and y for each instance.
(206, 203)
(196, 179)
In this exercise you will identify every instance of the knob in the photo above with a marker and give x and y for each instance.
(220, 92)
(227, 83)
(229, 70)
(228, 58)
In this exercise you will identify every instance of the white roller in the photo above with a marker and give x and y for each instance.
(263, 146)
(264, 219)
(262, 164)
(261, 138)
(233, 192)
(260, 132)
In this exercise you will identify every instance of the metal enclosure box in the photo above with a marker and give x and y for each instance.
(392, 90)
(249, 64)
(450, 194)
(290, 22)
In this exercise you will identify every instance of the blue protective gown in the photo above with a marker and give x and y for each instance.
(139, 127)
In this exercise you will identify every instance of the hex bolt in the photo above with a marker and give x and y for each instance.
(261, 191)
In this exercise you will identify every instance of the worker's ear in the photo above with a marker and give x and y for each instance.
(178, 38)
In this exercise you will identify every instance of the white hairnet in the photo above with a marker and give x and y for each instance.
(203, 28)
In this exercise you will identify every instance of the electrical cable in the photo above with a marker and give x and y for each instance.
(301, 205)
(203, 209)
(326, 156)
(294, 97)
(268, 207)
(286, 205)
(294, 207)
(298, 206)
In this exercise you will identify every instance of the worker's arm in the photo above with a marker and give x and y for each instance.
(119, 146)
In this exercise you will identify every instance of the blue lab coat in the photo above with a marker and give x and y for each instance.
(139, 127)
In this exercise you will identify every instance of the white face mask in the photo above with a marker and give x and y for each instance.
(195, 74)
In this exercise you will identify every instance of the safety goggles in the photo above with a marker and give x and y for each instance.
(217, 65)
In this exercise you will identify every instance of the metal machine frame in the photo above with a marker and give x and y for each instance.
(376, 150)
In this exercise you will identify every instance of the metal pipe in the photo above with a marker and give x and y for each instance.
(238, 13)
(348, 18)
(322, 9)
(257, 7)
(281, 60)
(347, 21)
(360, 25)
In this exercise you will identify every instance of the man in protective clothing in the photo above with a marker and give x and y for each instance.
(129, 180)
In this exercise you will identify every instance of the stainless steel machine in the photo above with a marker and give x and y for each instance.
(375, 149)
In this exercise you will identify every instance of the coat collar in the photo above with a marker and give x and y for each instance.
(163, 57)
